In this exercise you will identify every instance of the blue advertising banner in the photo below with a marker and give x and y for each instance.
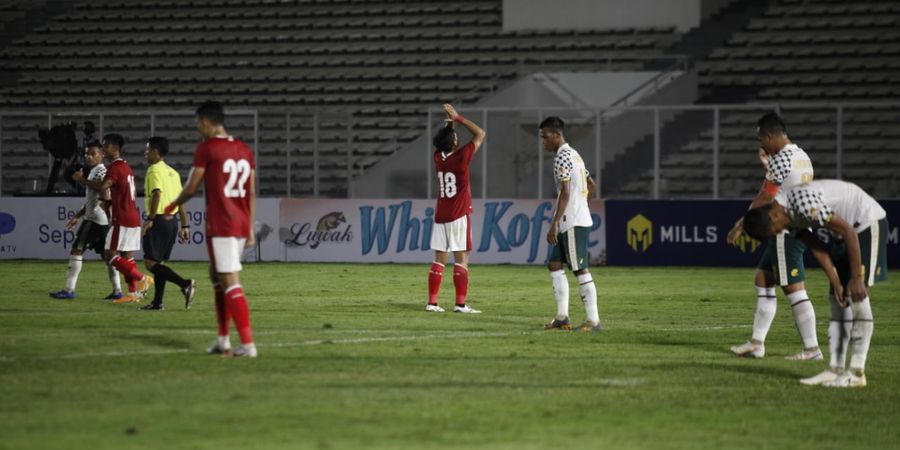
(676, 233)
(693, 233)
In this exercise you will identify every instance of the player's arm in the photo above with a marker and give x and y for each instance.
(251, 239)
(561, 201)
(477, 133)
(184, 233)
(766, 195)
(855, 285)
(99, 186)
(74, 221)
(151, 213)
(592, 187)
(193, 184)
(820, 252)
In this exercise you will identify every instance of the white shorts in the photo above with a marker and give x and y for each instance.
(453, 236)
(225, 252)
(123, 239)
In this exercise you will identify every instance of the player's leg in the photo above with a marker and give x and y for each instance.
(126, 241)
(461, 244)
(76, 260)
(792, 275)
(228, 265)
(765, 305)
(100, 232)
(873, 252)
(440, 243)
(461, 283)
(577, 255)
(560, 285)
(222, 345)
(840, 323)
(111, 255)
(158, 244)
(151, 260)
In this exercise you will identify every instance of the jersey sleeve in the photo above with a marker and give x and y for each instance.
(809, 205)
(779, 168)
(112, 173)
(154, 181)
(98, 173)
(201, 155)
(468, 151)
(562, 167)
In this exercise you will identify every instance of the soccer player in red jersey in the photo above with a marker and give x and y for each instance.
(225, 166)
(452, 228)
(124, 236)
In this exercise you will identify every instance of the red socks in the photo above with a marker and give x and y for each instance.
(128, 268)
(434, 282)
(461, 281)
(236, 304)
(222, 316)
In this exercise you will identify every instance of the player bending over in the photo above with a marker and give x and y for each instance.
(858, 249)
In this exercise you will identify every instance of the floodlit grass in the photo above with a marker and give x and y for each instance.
(348, 359)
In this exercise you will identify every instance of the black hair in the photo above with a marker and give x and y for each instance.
(443, 140)
(554, 124)
(771, 124)
(757, 223)
(212, 111)
(92, 143)
(115, 139)
(161, 145)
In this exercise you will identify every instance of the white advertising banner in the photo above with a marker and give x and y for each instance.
(35, 228)
(503, 231)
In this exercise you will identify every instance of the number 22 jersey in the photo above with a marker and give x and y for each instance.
(228, 163)
(454, 192)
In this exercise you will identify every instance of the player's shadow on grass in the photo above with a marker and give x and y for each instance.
(750, 368)
(157, 340)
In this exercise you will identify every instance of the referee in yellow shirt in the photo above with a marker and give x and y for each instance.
(161, 186)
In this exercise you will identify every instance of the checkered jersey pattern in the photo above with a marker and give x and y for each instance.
(780, 166)
(563, 164)
(807, 208)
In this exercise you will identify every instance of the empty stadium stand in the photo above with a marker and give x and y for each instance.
(812, 51)
(365, 71)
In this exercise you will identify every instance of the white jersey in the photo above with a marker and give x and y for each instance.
(814, 204)
(92, 209)
(788, 168)
(568, 166)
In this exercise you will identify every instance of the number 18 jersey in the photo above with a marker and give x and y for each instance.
(454, 193)
(228, 163)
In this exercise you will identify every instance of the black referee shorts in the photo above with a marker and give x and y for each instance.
(160, 239)
(90, 236)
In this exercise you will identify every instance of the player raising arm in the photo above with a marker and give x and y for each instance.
(225, 166)
(452, 228)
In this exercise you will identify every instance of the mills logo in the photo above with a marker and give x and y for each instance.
(640, 233)
(326, 231)
(746, 244)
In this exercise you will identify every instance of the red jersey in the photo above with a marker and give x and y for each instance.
(455, 195)
(228, 162)
(122, 208)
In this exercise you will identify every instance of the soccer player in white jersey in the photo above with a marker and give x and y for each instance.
(787, 166)
(859, 228)
(92, 232)
(569, 228)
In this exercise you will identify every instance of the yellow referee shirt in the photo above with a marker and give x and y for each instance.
(163, 177)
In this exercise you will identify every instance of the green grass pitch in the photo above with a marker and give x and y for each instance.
(349, 359)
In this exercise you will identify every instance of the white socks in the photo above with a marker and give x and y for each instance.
(765, 312)
(114, 278)
(561, 292)
(861, 334)
(839, 332)
(75, 263)
(588, 292)
(804, 317)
